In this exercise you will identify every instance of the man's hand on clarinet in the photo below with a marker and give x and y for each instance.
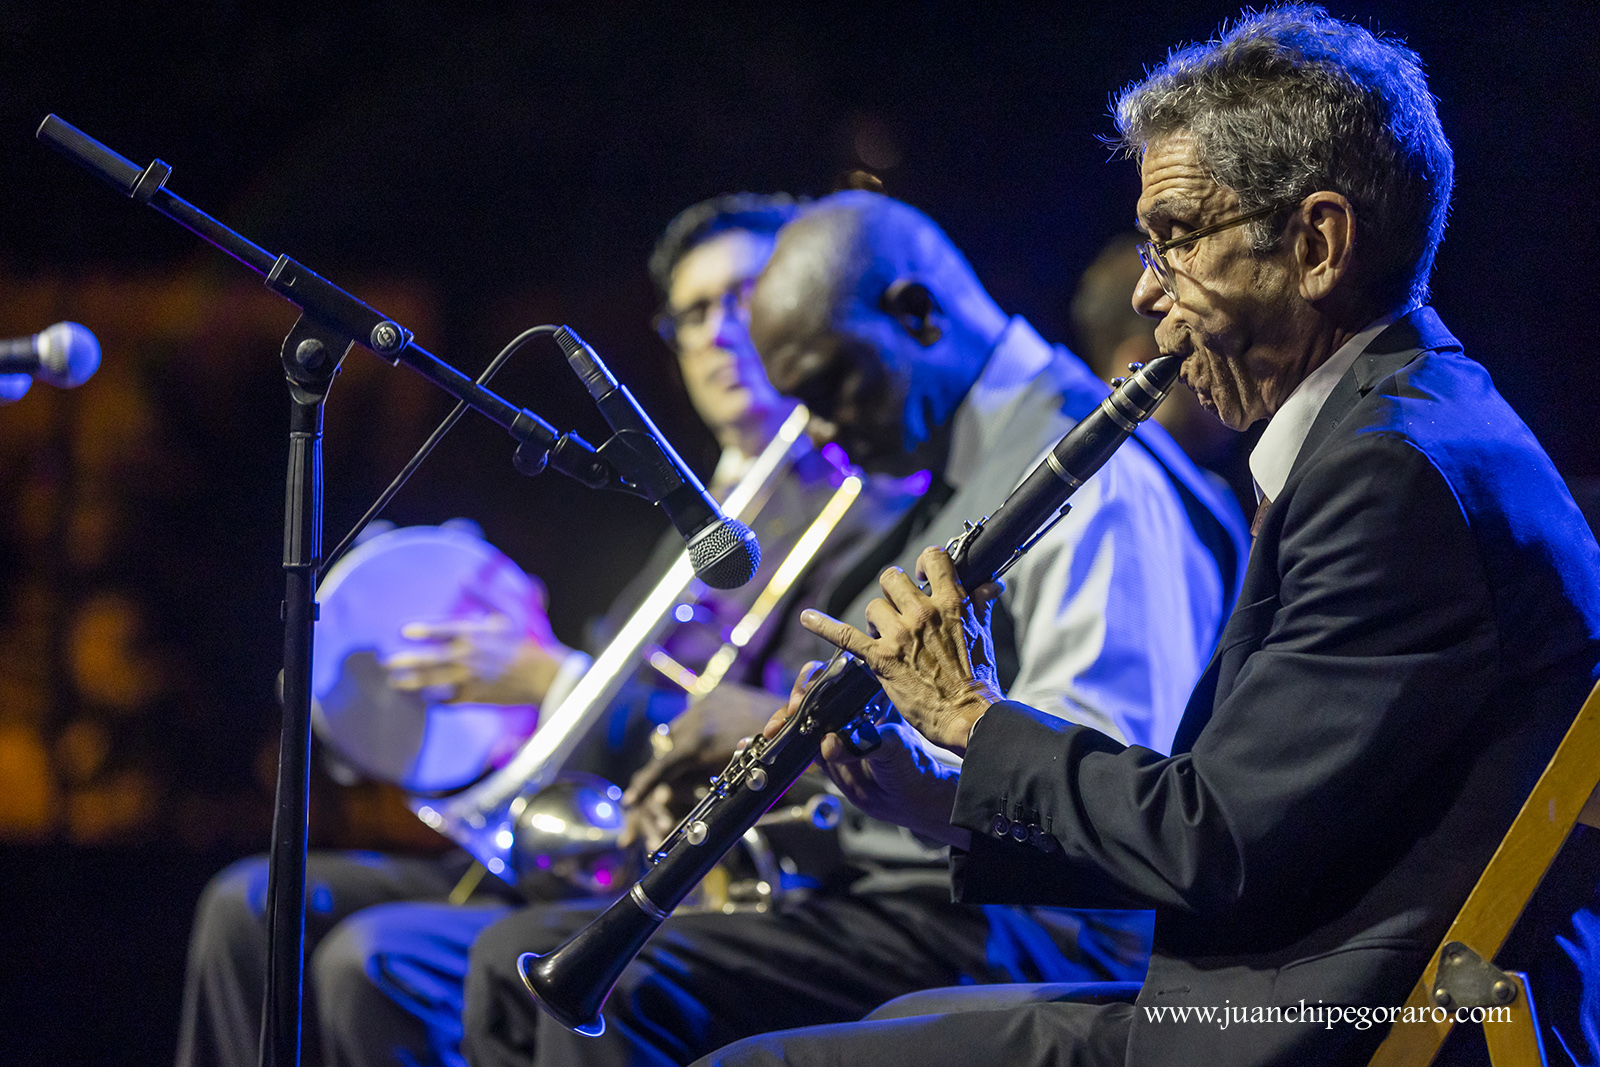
(899, 781)
(931, 650)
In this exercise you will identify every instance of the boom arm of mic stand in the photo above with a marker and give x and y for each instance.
(334, 309)
(331, 322)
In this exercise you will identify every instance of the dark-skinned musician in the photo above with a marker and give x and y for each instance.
(870, 315)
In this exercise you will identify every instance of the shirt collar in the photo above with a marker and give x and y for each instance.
(732, 466)
(1279, 446)
(1018, 357)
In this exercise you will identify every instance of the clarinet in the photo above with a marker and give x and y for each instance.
(572, 983)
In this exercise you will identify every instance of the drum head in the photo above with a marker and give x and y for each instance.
(413, 574)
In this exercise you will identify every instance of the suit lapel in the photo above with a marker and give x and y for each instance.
(1404, 341)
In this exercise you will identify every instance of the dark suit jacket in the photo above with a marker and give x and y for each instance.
(1419, 623)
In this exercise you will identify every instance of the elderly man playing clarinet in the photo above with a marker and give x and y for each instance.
(1419, 623)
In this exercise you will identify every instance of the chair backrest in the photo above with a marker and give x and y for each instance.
(1565, 794)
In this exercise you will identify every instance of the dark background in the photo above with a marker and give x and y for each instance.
(472, 173)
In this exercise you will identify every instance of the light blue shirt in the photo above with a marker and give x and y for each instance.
(1118, 606)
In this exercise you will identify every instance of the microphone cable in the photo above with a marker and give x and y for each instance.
(428, 446)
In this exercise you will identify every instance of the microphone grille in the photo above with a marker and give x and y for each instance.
(725, 554)
(68, 354)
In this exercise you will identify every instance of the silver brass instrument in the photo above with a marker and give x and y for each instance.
(480, 774)
(572, 983)
(565, 844)
(482, 818)
(564, 841)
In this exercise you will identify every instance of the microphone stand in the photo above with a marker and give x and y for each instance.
(331, 322)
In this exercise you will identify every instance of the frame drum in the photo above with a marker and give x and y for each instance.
(414, 740)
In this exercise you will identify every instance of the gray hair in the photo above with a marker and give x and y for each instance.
(1290, 101)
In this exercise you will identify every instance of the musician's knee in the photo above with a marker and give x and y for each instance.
(229, 920)
(369, 961)
(341, 971)
(380, 982)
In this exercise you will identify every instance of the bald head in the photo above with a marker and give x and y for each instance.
(870, 315)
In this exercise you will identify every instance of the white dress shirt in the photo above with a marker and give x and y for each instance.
(1279, 446)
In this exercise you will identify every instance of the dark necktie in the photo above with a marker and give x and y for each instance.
(1259, 518)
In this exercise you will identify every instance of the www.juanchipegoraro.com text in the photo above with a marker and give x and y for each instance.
(1361, 1017)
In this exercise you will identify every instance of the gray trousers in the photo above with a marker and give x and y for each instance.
(389, 981)
(1052, 1024)
(356, 991)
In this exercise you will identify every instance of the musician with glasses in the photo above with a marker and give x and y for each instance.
(703, 264)
(1420, 619)
(373, 990)
(875, 320)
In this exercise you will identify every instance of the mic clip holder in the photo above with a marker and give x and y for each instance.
(572, 455)
(643, 469)
(636, 450)
(628, 462)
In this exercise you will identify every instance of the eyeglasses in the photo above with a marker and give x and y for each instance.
(1153, 254)
(691, 326)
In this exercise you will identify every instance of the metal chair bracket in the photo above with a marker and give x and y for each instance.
(1465, 979)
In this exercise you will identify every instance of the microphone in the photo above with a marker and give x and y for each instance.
(65, 354)
(723, 551)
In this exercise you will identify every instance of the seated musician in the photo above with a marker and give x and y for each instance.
(707, 256)
(1419, 624)
(908, 363)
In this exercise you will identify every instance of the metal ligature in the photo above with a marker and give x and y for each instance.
(572, 983)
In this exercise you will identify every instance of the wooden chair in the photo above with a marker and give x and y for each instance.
(1461, 972)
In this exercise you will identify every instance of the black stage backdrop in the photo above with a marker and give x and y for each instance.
(473, 173)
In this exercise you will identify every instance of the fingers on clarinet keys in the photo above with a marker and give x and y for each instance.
(859, 737)
(1024, 832)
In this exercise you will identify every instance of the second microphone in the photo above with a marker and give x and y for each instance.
(723, 551)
